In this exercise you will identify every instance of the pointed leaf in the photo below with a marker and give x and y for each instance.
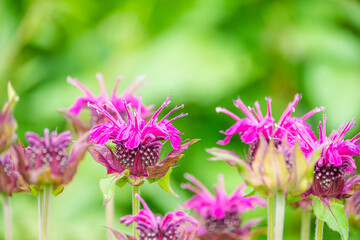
(164, 183)
(333, 213)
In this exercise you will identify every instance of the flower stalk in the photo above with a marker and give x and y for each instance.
(44, 205)
(135, 207)
(270, 217)
(280, 214)
(319, 229)
(7, 216)
(305, 225)
(110, 217)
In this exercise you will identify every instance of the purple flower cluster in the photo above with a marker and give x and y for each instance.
(221, 214)
(336, 163)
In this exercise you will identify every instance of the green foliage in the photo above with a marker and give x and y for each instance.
(204, 53)
(332, 212)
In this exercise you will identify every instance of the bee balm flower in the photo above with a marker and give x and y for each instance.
(275, 161)
(173, 226)
(46, 159)
(221, 214)
(332, 173)
(138, 143)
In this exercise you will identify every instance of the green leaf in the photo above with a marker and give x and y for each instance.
(332, 212)
(152, 180)
(34, 190)
(164, 183)
(107, 185)
(57, 190)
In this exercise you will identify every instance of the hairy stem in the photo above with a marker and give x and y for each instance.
(270, 217)
(319, 229)
(7, 216)
(110, 217)
(305, 225)
(136, 207)
(279, 216)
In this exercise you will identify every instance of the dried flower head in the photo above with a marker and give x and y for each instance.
(8, 174)
(117, 101)
(221, 214)
(47, 161)
(173, 226)
(7, 121)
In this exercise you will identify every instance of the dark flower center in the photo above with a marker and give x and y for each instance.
(228, 224)
(149, 155)
(170, 233)
(326, 174)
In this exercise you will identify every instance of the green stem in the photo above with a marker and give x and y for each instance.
(279, 216)
(110, 217)
(136, 207)
(319, 229)
(44, 204)
(305, 225)
(270, 217)
(40, 210)
(7, 216)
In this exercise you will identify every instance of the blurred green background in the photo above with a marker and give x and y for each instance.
(203, 53)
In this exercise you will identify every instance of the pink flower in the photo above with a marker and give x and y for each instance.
(221, 213)
(138, 142)
(332, 172)
(117, 101)
(255, 124)
(46, 159)
(8, 174)
(337, 151)
(173, 226)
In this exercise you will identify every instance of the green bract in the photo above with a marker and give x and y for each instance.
(269, 172)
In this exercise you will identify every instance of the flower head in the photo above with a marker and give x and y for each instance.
(7, 121)
(8, 175)
(337, 151)
(138, 146)
(89, 98)
(46, 159)
(138, 143)
(276, 161)
(173, 226)
(220, 214)
(332, 172)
